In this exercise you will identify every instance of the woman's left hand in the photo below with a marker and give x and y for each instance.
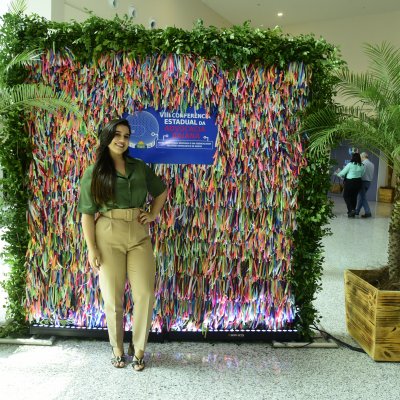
(146, 217)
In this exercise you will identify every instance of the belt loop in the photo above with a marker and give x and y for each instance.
(129, 215)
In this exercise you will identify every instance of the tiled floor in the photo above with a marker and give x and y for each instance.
(80, 369)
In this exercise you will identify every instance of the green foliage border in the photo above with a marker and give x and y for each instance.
(234, 48)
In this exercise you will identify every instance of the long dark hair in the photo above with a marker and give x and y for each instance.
(104, 174)
(356, 158)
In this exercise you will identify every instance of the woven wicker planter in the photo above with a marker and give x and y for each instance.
(385, 195)
(373, 317)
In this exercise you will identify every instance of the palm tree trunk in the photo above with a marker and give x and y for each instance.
(394, 238)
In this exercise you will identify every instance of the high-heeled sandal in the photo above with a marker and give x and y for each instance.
(117, 361)
(138, 363)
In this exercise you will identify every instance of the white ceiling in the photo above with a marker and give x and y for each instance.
(263, 13)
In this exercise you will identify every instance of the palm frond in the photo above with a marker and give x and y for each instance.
(396, 159)
(329, 126)
(323, 140)
(364, 89)
(385, 65)
(353, 86)
(25, 58)
(321, 129)
(17, 6)
(37, 96)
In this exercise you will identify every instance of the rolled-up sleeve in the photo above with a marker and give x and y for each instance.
(155, 185)
(86, 203)
(344, 171)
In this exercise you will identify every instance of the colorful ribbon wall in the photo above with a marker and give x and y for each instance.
(223, 243)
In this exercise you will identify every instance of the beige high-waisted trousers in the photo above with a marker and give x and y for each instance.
(126, 250)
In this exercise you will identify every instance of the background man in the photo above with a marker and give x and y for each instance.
(366, 182)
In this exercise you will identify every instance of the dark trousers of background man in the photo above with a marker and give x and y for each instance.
(350, 193)
(362, 198)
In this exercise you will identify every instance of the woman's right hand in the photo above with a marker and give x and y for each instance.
(95, 260)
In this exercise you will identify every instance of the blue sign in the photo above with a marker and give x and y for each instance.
(172, 137)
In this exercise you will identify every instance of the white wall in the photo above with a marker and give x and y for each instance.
(179, 13)
(4, 6)
(351, 33)
(50, 9)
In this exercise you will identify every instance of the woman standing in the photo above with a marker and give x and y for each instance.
(119, 245)
(352, 174)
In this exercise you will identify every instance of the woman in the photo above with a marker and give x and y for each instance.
(352, 174)
(119, 245)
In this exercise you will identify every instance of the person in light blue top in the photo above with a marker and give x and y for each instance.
(352, 174)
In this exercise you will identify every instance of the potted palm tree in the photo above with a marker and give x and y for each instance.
(15, 100)
(372, 121)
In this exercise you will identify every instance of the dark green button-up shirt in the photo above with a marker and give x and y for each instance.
(130, 190)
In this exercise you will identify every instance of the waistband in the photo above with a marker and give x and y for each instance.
(126, 214)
